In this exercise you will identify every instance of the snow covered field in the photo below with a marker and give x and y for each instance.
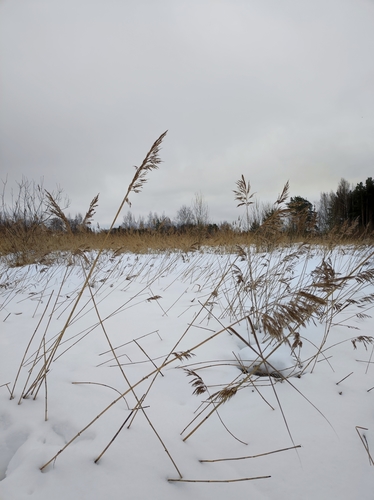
(170, 355)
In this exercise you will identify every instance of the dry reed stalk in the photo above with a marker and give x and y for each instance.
(155, 298)
(243, 197)
(162, 443)
(8, 383)
(337, 383)
(148, 357)
(90, 212)
(173, 304)
(55, 210)
(129, 342)
(45, 386)
(311, 358)
(250, 456)
(119, 430)
(225, 426)
(369, 361)
(364, 442)
(104, 385)
(204, 405)
(217, 480)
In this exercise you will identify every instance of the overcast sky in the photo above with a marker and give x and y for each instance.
(276, 90)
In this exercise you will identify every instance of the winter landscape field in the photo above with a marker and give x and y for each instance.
(212, 338)
(189, 375)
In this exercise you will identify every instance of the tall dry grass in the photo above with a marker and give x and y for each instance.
(27, 235)
(21, 245)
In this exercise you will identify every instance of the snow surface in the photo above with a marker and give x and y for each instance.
(151, 306)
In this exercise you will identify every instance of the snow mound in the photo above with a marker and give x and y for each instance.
(268, 359)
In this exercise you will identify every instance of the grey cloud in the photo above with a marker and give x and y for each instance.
(274, 90)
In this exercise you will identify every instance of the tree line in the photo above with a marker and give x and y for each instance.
(348, 204)
(34, 207)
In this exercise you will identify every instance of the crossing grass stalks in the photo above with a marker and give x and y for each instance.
(150, 162)
(262, 292)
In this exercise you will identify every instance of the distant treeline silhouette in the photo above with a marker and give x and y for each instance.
(34, 209)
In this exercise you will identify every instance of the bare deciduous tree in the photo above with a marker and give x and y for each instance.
(200, 210)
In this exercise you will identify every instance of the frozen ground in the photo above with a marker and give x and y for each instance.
(306, 431)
